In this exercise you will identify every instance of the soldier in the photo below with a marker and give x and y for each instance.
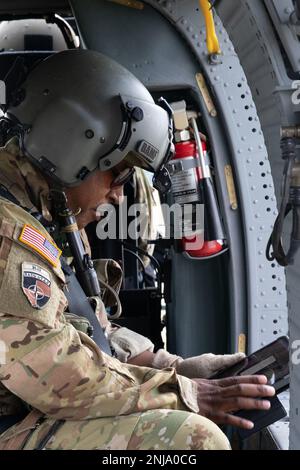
(56, 34)
(82, 123)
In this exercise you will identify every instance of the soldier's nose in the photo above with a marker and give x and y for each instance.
(116, 195)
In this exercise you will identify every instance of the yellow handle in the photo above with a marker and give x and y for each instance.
(212, 41)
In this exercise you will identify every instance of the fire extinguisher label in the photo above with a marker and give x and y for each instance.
(185, 186)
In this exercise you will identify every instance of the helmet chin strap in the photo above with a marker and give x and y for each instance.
(83, 264)
(162, 180)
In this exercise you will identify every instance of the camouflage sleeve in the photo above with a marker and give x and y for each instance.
(47, 363)
(61, 372)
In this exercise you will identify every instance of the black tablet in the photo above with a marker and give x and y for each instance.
(273, 362)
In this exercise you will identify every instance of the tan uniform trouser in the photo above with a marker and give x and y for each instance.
(157, 429)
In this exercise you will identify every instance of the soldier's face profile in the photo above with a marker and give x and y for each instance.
(92, 192)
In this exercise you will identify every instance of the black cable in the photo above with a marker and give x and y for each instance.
(278, 253)
(138, 258)
(153, 260)
(145, 253)
(276, 237)
(288, 147)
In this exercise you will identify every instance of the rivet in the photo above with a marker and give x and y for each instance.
(89, 133)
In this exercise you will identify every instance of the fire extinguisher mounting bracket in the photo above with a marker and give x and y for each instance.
(182, 165)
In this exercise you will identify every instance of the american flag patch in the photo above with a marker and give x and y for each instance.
(33, 238)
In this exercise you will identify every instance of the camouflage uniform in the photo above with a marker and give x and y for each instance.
(98, 402)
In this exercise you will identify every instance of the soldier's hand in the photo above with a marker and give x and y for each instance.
(218, 399)
(206, 365)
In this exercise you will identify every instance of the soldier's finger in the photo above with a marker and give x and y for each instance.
(241, 403)
(248, 390)
(250, 379)
(236, 421)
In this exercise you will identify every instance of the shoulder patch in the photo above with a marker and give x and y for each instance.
(36, 284)
(36, 240)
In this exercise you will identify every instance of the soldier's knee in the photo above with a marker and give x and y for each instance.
(176, 430)
(199, 433)
(216, 439)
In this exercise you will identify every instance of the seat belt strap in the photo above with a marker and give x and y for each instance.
(80, 305)
(77, 300)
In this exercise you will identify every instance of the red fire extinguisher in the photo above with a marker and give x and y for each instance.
(192, 184)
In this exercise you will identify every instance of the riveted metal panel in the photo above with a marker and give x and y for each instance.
(253, 174)
(253, 34)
